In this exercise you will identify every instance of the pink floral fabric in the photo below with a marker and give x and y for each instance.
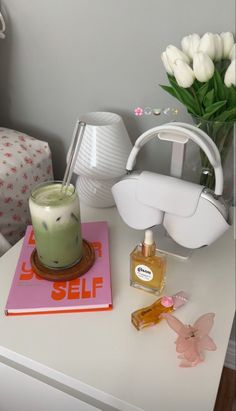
(24, 162)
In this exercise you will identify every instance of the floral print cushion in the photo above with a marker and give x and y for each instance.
(24, 162)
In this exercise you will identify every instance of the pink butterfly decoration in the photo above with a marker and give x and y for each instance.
(192, 339)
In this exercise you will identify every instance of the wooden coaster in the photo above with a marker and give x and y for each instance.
(65, 274)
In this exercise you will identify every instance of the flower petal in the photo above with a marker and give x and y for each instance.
(232, 54)
(183, 73)
(173, 53)
(203, 67)
(190, 44)
(165, 61)
(230, 75)
(228, 41)
(207, 45)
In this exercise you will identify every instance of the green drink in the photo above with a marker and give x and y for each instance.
(56, 221)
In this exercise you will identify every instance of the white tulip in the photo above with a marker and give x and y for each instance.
(218, 47)
(207, 45)
(165, 61)
(228, 42)
(183, 73)
(190, 44)
(232, 54)
(173, 53)
(203, 67)
(230, 76)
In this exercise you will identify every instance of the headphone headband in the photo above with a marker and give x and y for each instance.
(181, 132)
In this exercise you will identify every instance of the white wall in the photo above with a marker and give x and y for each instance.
(62, 58)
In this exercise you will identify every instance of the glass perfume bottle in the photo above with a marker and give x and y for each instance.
(147, 266)
(153, 314)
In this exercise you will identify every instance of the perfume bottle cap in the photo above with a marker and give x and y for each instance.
(176, 300)
(148, 239)
(167, 301)
(148, 245)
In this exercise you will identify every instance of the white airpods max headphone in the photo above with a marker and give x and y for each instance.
(193, 215)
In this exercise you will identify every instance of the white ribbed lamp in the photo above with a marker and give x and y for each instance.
(102, 157)
(95, 193)
(105, 146)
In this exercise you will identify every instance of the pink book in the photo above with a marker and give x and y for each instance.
(30, 294)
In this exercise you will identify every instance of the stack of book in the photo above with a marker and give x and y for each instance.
(30, 294)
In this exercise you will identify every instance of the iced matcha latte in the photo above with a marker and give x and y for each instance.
(56, 222)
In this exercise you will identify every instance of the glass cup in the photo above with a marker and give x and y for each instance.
(56, 222)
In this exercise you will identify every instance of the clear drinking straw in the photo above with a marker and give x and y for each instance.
(75, 145)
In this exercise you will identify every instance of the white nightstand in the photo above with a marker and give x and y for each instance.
(100, 359)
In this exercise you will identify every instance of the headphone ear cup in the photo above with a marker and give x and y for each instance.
(134, 213)
(198, 230)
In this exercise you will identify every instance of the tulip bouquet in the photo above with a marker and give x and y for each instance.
(202, 76)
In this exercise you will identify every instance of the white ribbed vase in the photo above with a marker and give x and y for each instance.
(105, 146)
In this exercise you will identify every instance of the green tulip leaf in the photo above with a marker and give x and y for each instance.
(185, 96)
(219, 86)
(231, 97)
(209, 98)
(215, 106)
(170, 77)
(224, 64)
(169, 90)
(228, 115)
(201, 92)
(210, 110)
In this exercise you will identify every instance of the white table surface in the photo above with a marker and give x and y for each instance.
(101, 355)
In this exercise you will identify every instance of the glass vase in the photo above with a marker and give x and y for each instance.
(223, 135)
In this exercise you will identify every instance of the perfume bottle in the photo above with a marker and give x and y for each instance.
(153, 314)
(147, 266)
